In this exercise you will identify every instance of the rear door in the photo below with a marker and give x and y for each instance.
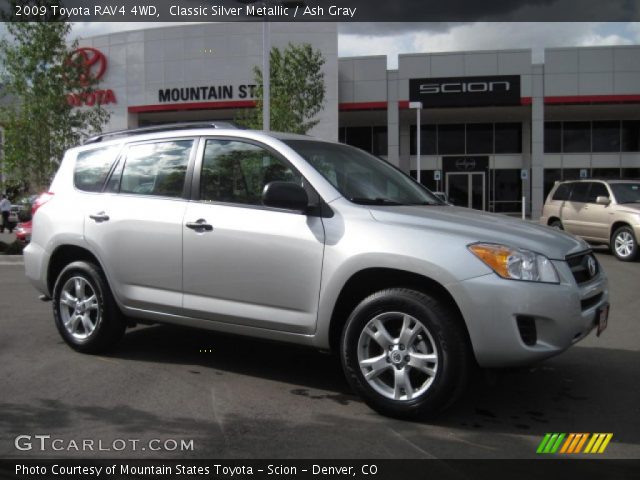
(245, 263)
(572, 210)
(135, 226)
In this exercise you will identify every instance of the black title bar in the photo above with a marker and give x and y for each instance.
(541, 469)
(321, 10)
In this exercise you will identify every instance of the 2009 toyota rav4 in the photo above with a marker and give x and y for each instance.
(289, 238)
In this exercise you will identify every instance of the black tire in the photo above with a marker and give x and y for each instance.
(624, 244)
(556, 224)
(103, 313)
(437, 329)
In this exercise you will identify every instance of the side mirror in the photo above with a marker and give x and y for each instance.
(285, 195)
(603, 200)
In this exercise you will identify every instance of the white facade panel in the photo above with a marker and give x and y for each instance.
(576, 160)
(514, 62)
(557, 84)
(447, 65)
(561, 60)
(626, 59)
(598, 59)
(414, 66)
(481, 64)
(552, 161)
(596, 83)
(605, 160)
(627, 83)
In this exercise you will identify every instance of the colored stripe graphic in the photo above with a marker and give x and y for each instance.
(572, 443)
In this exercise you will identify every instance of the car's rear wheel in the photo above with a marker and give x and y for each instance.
(556, 224)
(405, 353)
(84, 310)
(624, 244)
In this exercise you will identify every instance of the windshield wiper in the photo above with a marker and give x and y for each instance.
(374, 201)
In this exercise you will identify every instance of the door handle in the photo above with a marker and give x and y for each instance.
(99, 217)
(199, 225)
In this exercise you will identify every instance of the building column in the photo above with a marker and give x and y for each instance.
(393, 120)
(526, 164)
(537, 142)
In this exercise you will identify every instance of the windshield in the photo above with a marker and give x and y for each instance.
(360, 177)
(626, 192)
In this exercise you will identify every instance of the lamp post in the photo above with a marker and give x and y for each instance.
(266, 66)
(266, 76)
(418, 108)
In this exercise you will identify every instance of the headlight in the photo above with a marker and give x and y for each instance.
(515, 263)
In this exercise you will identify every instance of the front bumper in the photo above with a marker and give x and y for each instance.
(562, 313)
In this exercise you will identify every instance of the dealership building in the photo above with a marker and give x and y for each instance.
(494, 125)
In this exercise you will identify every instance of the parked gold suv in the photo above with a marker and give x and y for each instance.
(604, 212)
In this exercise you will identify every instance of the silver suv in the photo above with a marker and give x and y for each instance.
(289, 238)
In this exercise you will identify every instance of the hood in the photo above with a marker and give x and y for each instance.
(478, 226)
(629, 208)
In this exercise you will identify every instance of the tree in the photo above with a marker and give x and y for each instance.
(39, 124)
(297, 90)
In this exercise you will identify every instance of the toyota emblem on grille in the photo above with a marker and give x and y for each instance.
(592, 267)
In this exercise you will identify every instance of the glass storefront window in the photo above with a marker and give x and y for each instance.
(552, 137)
(380, 141)
(576, 137)
(605, 173)
(633, 173)
(480, 138)
(507, 190)
(359, 137)
(551, 176)
(428, 140)
(606, 136)
(508, 138)
(631, 136)
(451, 139)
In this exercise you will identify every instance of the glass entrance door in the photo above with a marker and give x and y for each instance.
(466, 189)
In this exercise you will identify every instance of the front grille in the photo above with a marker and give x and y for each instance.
(579, 265)
(527, 329)
(590, 302)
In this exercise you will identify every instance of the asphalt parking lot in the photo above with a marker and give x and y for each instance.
(243, 398)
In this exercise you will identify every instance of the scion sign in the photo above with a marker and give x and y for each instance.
(465, 91)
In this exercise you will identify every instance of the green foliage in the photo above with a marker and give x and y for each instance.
(297, 90)
(39, 124)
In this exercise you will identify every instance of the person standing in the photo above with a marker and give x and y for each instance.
(5, 208)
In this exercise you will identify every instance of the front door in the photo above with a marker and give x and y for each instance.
(466, 189)
(245, 263)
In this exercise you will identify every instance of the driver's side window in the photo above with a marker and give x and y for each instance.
(234, 171)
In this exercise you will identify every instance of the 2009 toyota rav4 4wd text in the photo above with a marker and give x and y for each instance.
(289, 238)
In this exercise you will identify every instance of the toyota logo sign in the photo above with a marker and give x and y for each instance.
(92, 64)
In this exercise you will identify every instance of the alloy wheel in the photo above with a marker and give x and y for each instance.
(397, 356)
(79, 308)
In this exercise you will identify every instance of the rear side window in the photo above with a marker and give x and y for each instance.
(579, 192)
(92, 168)
(156, 168)
(563, 192)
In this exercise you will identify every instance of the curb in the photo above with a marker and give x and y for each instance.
(11, 259)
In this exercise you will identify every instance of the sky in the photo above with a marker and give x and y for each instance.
(391, 39)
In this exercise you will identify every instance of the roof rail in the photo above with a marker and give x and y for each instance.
(158, 128)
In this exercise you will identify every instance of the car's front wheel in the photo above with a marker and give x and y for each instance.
(405, 353)
(84, 310)
(624, 244)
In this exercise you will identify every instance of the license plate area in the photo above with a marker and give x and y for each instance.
(602, 319)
